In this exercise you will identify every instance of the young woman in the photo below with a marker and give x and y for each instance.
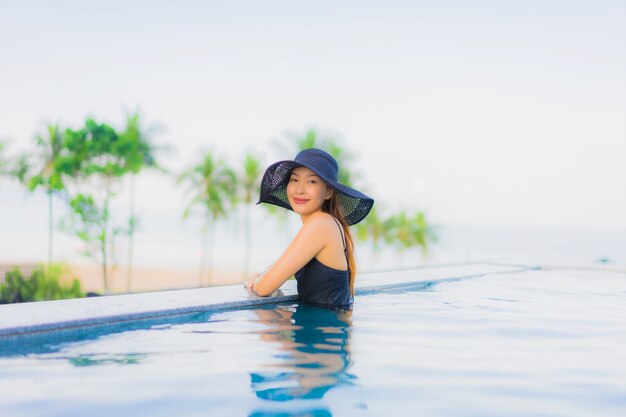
(321, 256)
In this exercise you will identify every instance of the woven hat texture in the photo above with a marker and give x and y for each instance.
(355, 204)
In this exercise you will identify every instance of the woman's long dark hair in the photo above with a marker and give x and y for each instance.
(333, 208)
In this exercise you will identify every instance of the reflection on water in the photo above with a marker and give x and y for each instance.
(547, 342)
(313, 358)
(92, 360)
(307, 413)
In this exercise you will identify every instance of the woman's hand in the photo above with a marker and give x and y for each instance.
(249, 283)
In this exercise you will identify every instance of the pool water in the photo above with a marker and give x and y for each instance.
(535, 343)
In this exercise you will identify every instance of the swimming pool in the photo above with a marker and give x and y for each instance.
(532, 343)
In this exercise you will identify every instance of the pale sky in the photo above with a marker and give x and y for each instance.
(478, 112)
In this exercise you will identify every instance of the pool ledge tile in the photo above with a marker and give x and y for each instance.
(24, 318)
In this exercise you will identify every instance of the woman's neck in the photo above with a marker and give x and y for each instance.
(305, 217)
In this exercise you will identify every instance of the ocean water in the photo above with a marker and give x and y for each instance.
(535, 343)
(165, 240)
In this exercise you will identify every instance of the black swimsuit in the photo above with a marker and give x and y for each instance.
(322, 285)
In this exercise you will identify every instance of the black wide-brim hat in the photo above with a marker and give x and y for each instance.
(355, 204)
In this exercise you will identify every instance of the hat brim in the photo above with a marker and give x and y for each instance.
(355, 205)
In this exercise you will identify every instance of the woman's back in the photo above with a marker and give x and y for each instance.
(334, 252)
(321, 284)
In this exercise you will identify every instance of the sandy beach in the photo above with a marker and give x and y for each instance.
(142, 279)
(151, 279)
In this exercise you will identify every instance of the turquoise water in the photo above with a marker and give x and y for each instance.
(536, 343)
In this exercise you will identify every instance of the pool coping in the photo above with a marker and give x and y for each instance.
(27, 318)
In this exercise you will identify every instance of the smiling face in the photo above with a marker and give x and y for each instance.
(307, 192)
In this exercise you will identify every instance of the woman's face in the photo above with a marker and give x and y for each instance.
(306, 191)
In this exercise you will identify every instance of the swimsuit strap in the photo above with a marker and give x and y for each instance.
(344, 241)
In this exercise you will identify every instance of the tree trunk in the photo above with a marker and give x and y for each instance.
(211, 241)
(248, 238)
(104, 238)
(131, 234)
(205, 236)
(50, 228)
(104, 268)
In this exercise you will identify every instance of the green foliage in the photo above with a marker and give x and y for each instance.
(212, 185)
(3, 161)
(48, 168)
(104, 156)
(136, 145)
(122, 359)
(42, 172)
(93, 158)
(52, 163)
(294, 142)
(17, 168)
(12, 168)
(88, 222)
(313, 138)
(400, 230)
(248, 180)
(248, 184)
(213, 188)
(374, 228)
(43, 284)
(103, 151)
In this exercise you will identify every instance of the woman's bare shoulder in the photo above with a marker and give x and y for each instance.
(321, 219)
(322, 225)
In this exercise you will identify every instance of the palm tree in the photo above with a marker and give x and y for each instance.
(101, 159)
(20, 169)
(373, 227)
(406, 232)
(97, 148)
(17, 168)
(49, 172)
(3, 161)
(295, 142)
(399, 229)
(140, 153)
(314, 138)
(422, 233)
(213, 187)
(248, 185)
(289, 146)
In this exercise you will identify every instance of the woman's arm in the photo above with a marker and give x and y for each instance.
(310, 240)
